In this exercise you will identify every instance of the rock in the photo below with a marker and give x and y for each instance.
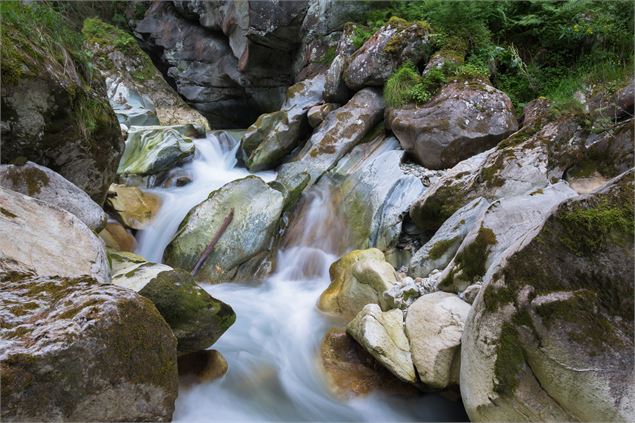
(441, 59)
(502, 225)
(439, 251)
(316, 114)
(463, 119)
(230, 81)
(406, 291)
(392, 45)
(154, 149)
(550, 335)
(52, 242)
(196, 318)
(274, 135)
(257, 208)
(350, 371)
(382, 335)
(65, 122)
(135, 208)
(118, 238)
(375, 193)
(39, 182)
(470, 293)
(201, 367)
(75, 349)
(434, 325)
(358, 278)
(342, 129)
(335, 88)
(137, 91)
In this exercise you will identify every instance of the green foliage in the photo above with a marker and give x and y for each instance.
(399, 87)
(329, 55)
(360, 35)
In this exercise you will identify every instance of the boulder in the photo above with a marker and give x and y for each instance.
(342, 129)
(274, 135)
(463, 119)
(75, 349)
(52, 242)
(154, 149)
(256, 211)
(201, 367)
(42, 183)
(392, 45)
(118, 238)
(382, 335)
(135, 208)
(501, 226)
(550, 335)
(316, 114)
(65, 122)
(434, 325)
(437, 253)
(358, 278)
(197, 319)
(350, 371)
(335, 88)
(137, 91)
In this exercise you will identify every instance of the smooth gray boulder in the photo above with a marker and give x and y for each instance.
(463, 119)
(42, 183)
(50, 241)
(256, 211)
(550, 335)
(76, 349)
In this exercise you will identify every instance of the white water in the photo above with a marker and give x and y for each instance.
(273, 347)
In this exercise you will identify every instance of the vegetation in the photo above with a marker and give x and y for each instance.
(530, 48)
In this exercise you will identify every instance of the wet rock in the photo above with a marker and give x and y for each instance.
(439, 251)
(197, 319)
(118, 238)
(351, 371)
(274, 135)
(154, 149)
(316, 114)
(392, 45)
(434, 325)
(201, 367)
(502, 225)
(75, 349)
(358, 278)
(342, 129)
(463, 119)
(382, 335)
(135, 208)
(52, 242)
(550, 335)
(137, 91)
(257, 208)
(64, 123)
(42, 183)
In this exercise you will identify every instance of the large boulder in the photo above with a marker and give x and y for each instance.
(137, 91)
(54, 112)
(256, 211)
(197, 319)
(358, 278)
(463, 119)
(134, 207)
(42, 183)
(342, 130)
(74, 349)
(274, 135)
(501, 226)
(434, 326)
(51, 241)
(351, 371)
(550, 335)
(392, 45)
(154, 149)
(335, 88)
(382, 335)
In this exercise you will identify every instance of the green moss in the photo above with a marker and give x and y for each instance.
(439, 207)
(329, 56)
(473, 258)
(7, 213)
(494, 296)
(440, 248)
(34, 178)
(510, 360)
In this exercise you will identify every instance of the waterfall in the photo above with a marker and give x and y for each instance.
(273, 348)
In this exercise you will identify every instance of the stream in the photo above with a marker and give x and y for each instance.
(273, 348)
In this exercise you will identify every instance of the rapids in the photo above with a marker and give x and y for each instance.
(272, 349)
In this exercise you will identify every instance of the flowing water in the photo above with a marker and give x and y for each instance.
(273, 347)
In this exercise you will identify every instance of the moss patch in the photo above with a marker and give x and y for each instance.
(510, 360)
(440, 248)
(473, 258)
